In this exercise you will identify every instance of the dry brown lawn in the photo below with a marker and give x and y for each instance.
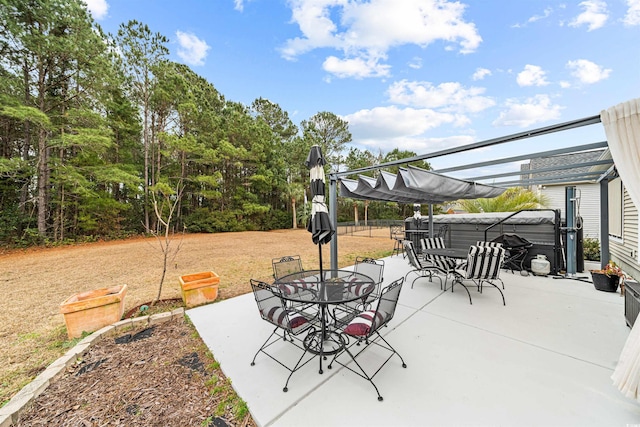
(34, 282)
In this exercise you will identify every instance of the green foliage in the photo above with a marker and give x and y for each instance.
(397, 154)
(111, 122)
(591, 249)
(512, 200)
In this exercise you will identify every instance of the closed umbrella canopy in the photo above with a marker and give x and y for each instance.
(319, 225)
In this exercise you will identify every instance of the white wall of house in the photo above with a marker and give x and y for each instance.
(625, 251)
(589, 206)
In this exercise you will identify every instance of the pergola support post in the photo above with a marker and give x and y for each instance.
(333, 216)
(570, 214)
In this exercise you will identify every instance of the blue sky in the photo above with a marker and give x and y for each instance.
(421, 75)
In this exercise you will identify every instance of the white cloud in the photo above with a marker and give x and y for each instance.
(416, 144)
(238, 5)
(532, 75)
(595, 15)
(393, 122)
(449, 96)
(534, 110)
(587, 71)
(97, 8)
(191, 50)
(415, 63)
(355, 67)
(564, 84)
(385, 128)
(632, 16)
(545, 14)
(365, 31)
(481, 73)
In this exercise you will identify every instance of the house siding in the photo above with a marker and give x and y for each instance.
(625, 253)
(589, 208)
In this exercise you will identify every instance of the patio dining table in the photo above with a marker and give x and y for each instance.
(323, 288)
(447, 252)
(460, 255)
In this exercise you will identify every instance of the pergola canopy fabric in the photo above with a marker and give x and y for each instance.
(415, 185)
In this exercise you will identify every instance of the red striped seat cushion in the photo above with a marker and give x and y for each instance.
(362, 324)
(287, 319)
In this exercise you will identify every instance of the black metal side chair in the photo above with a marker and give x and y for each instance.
(419, 267)
(397, 235)
(286, 265)
(364, 331)
(288, 323)
(374, 268)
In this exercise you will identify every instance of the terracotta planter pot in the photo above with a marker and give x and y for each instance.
(199, 288)
(93, 310)
(605, 283)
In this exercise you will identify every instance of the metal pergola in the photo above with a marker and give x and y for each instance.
(595, 171)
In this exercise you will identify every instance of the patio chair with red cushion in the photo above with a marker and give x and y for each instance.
(287, 321)
(364, 331)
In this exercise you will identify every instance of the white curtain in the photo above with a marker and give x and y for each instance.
(622, 127)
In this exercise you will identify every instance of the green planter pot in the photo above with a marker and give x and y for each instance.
(605, 283)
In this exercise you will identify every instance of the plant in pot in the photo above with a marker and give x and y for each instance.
(608, 278)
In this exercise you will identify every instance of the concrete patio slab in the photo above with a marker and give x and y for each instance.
(545, 358)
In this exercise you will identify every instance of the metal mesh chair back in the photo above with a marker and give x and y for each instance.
(396, 231)
(286, 265)
(266, 299)
(397, 235)
(484, 262)
(387, 303)
(442, 231)
(373, 268)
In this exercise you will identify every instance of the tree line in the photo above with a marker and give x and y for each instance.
(101, 135)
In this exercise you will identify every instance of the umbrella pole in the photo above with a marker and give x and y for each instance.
(320, 256)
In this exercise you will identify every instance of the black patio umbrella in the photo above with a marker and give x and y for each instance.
(319, 225)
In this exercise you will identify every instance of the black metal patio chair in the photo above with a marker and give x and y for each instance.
(397, 235)
(422, 269)
(286, 265)
(364, 331)
(288, 324)
(444, 264)
(373, 268)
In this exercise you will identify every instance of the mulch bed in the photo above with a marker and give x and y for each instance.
(157, 376)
